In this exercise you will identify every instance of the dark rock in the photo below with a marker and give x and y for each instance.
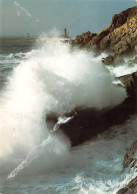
(131, 188)
(51, 120)
(123, 190)
(130, 82)
(128, 79)
(108, 60)
(130, 156)
(119, 38)
(87, 123)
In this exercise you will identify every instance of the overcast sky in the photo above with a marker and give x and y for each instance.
(17, 17)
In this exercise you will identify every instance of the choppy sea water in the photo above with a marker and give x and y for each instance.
(42, 76)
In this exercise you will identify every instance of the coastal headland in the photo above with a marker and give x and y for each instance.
(119, 40)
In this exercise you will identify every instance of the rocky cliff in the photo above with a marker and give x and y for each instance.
(130, 159)
(130, 82)
(119, 37)
(85, 120)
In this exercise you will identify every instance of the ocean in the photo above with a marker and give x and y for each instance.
(41, 76)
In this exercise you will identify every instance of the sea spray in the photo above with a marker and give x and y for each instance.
(52, 153)
(53, 79)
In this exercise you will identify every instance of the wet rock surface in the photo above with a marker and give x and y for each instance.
(131, 156)
(120, 38)
(133, 61)
(87, 123)
(130, 159)
(130, 82)
(131, 188)
(128, 79)
(108, 60)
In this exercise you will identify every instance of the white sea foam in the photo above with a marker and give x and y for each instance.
(56, 79)
(123, 69)
(123, 66)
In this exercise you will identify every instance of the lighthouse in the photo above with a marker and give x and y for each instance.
(65, 35)
(28, 36)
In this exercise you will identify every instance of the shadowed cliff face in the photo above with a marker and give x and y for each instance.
(119, 37)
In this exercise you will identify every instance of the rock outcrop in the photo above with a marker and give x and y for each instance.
(131, 156)
(130, 159)
(131, 188)
(128, 79)
(130, 82)
(87, 123)
(108, 60)
(83, 39)
(119, 37)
